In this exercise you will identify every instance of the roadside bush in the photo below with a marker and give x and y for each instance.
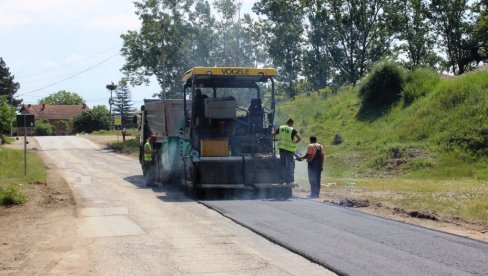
(65, 127)
(418, 83)
(383, 85)
(11, 196)
(43, 128)
(95, 119)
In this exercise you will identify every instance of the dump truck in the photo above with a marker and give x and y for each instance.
(218, 134)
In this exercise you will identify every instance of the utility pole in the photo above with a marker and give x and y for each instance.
(111, 87)
(163, 94)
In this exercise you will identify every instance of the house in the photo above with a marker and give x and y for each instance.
(59, 116)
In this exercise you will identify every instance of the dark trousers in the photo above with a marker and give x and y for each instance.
(314, 174)
(287, 166)
(150, 169)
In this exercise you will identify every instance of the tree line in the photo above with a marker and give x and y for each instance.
(314, 43)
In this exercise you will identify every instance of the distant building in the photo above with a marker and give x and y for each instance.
(59, 116)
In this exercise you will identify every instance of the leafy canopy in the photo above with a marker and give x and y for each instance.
(62, 97)
(97, 118)
(8, 87)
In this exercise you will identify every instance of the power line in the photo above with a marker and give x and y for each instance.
(70, 77)
(69, 64)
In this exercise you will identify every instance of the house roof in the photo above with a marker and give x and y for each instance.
(53, 112)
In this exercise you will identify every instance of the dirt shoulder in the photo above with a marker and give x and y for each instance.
(40, 237)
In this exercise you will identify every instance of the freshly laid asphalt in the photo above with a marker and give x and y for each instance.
(352, 243)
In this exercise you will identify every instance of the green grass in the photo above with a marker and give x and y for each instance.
(132, 131)
(130, 146)
(12, 178)
(429, 151)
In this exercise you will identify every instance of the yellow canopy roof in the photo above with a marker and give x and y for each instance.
(229, 71)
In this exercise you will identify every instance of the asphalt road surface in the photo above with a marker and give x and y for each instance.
(125, 228)
(353, 243)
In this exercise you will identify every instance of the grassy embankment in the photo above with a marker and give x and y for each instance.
(12, 180)
(427, 152)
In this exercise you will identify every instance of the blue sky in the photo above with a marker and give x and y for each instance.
(72, 45)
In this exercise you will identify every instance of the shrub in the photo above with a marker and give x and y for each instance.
(95, 119)
(43, 128)
(383, 85)
(11, 196)
(418, 83)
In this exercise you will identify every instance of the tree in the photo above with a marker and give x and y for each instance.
(418, 39)
(63, 97)
(161, 47)
(7, 116)
(450, 20)
(88, 121)
(203, 36)
(123, 103)
(317, 63)
(283, 29)
(475, 49)
(357, 34)
(8, 87)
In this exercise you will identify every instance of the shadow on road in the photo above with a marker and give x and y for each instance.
(174, 193)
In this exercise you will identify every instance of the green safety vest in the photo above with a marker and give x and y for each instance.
(148, 147)
(285, 141)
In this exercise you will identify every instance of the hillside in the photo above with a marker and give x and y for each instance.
(426, 154)
(442, 134)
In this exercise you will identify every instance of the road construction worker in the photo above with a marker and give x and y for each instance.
(288, 137)
(315, 158)
(149, 162)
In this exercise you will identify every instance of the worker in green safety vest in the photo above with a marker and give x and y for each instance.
(149, 164)
(288, 138)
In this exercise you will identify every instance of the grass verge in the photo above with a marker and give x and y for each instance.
(130, 146)
(131, 131)
(12, 178)
(456, 198)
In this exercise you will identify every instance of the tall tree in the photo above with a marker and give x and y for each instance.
(475, 48)
(203, 36)
(235, 34)
(317, 63)
(283, 29)
(416, 35)
(450, 18)
(8, 87)
(358, 35)
(62, 97)
(123, 103)
(161, 47)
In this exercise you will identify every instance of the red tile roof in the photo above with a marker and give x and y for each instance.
(53, 112)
